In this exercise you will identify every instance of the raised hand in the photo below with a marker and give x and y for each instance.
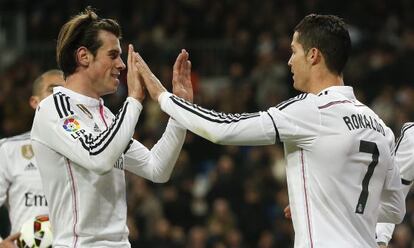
(136, 88)
(181, 80)
(153, 85)
(9, 242)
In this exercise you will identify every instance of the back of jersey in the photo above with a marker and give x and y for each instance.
(336, 181)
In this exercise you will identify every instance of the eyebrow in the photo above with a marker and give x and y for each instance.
(114, 51)
(53, 86)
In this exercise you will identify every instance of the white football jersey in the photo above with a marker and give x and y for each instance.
(20, 184)
(404, 159)
(83, 150)
(340, 174)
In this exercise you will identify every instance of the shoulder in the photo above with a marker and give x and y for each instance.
(406, 137)
(55, 106)
(297, 109)
(295, 101)
(408, 128)
(18, 138)
(331, 98)
(15, 140)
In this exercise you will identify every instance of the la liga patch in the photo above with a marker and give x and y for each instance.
(71, 125)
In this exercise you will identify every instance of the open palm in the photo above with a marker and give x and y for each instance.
(181, 81)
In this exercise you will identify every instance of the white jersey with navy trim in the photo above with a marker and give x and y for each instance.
(20, 184)
(83, 150)
(404, 159)
(339, 164)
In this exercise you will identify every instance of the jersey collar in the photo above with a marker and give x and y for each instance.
(86, 100)
(347, 91)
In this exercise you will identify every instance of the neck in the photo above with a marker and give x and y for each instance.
(81, 84)
(324, 79)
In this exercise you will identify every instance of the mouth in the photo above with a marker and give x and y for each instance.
(115, 75)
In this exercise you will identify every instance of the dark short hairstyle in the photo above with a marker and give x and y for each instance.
(329, 34)
(81, 30)
(38, 82)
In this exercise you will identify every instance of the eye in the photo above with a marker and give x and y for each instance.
(113, 54)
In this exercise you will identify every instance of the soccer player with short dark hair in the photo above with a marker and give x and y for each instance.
(340, 173)
(20, 182)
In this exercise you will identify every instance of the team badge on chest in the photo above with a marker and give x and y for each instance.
(27, 151)
(85, 110)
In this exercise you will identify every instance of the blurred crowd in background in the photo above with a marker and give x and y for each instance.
(218, 196)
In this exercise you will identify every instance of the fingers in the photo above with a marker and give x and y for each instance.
(188, 70)
(177, 64)
(129, 60)
(142, 66)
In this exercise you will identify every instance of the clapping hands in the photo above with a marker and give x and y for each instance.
(181, 81)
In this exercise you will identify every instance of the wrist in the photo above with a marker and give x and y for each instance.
(163, 95)
(138, 97)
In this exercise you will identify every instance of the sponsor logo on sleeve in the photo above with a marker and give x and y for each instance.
(71, 125)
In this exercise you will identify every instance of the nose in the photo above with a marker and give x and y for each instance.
(121, 65)
(290, 61)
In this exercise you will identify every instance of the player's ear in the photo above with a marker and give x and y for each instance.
(34, 101)
(83, 56)
(314, 55)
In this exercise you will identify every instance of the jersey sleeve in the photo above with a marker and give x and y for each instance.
(392, 205)
(297, 120)
(4, 174)
(404, 155)
(72, 138)
(384, 232)
(156, 164)
(226, 129)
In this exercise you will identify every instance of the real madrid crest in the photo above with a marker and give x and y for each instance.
(85, 110)
(27, 151)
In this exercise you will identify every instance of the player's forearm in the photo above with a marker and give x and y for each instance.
(220, 128)
(165, 153)
(106, 154)
(392, 207)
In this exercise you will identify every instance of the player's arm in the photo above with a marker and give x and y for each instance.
(220, 128)
(404, 159)
(392, 205)
(259, 128)
(241, 129)
(384, 233)
(384, 230)
(157, 164)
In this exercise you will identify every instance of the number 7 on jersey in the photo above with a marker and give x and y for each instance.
(372, 148)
